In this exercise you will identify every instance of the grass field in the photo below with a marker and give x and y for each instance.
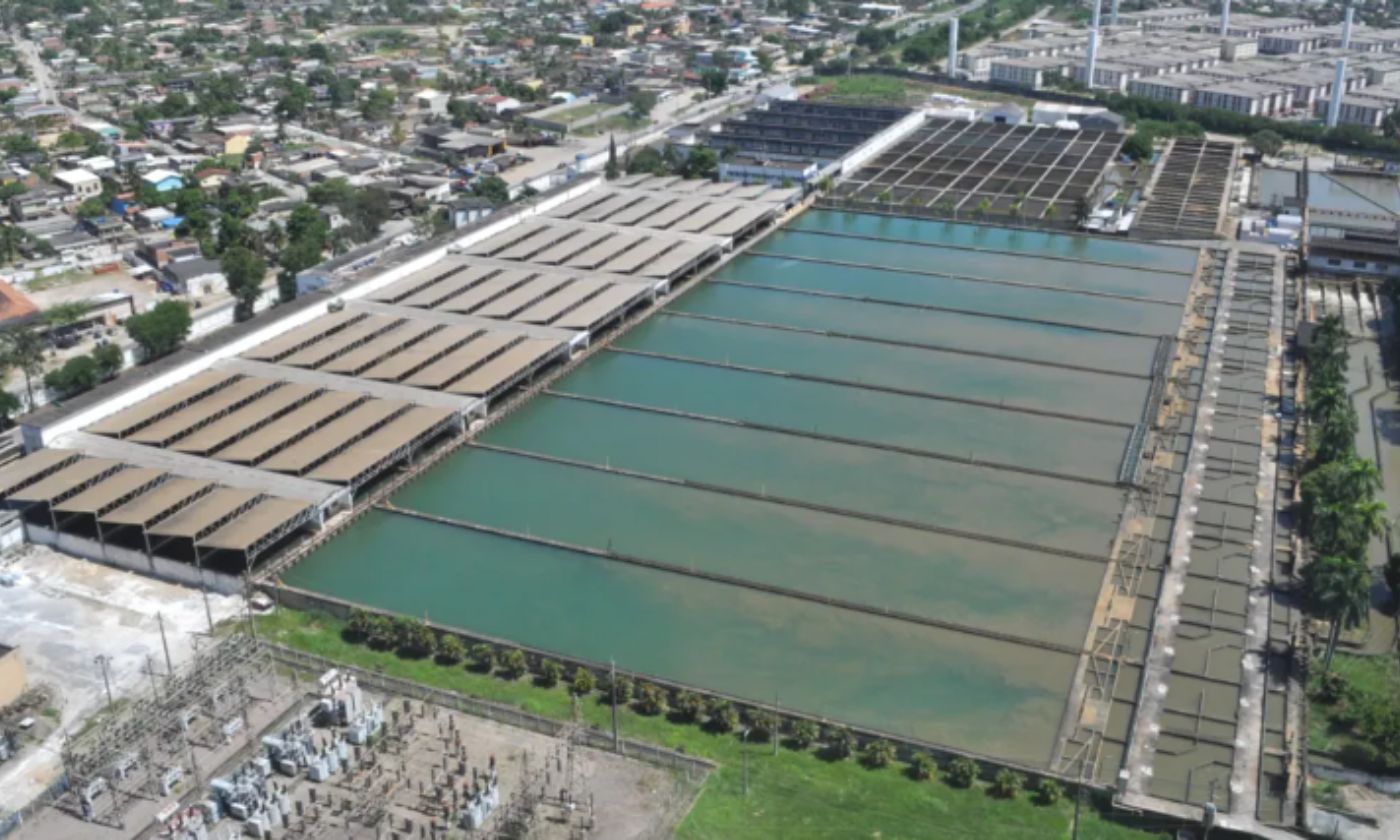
(616, 123)
(569, 116)
(1331, 726)
(791, 794)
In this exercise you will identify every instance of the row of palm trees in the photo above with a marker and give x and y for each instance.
(1340, 513)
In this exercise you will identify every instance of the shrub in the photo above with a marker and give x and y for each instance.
(720, 716)
(77, 375)
(358, 628)
(513, 664)
(803, 734)
(1007, 783)
(618, 687)
(383, 633)
(1048, 792)
(583, 683)
(962, 772)
(451, 650)
(1331, 687)
(109, 360)
(483, 657)
(922, 767)
(650, 700)
(549, 673)
(686, 706)
(878, 753)
(763, 723)
(415, 638)
(840, 743)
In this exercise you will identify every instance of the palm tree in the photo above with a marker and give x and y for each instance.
(1324, 400)
(25, 349)
(1340, 588)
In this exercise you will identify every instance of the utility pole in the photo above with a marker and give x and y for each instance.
(612, 688)
(103, 661)
(1078, 802)
(744, 748)
(165, 643)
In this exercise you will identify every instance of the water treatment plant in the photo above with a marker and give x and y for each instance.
(911, 454)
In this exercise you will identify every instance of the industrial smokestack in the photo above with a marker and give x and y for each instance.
(1093, 46)
(1225, 19)
(1346, 29)
(953, 47)
(1339, 83)
(1113, 14)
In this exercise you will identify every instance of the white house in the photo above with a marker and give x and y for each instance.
(79, 183)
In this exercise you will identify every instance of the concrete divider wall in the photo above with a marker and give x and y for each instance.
(880, 142)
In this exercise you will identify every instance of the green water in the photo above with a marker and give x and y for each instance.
(1010, 240)
(1049, 511)
(1035, 386)
(944, 685)
(919, 257)
(940, 329)
(961, 295)
(1043, 443)
(993, 697)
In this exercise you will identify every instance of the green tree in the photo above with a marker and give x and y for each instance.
(451, 650)
(416, 639)
(24, 349)
(720, 716)
(549, 673)
(610, 170)
(619, 688)
(650, 699)
(1138, 146)
(1268, 142)
(359, 625)
(109, 360)
(715, 81)
(483, 657)
(1339, 589)
(702, 162)
(922, 767)
(1392, 578)
(962, 772)
(513, 664)
(1007, 783)
(92, 208)
(9, 407)
(583, 682)
(642, 101)
(1048, 792)
(803, 734)
(77, 375)
(245, 272)
(878, 753)
(688, 706)
(764, 724)
(162, 329)
(383, 633)
(840, 742)
(493, 189)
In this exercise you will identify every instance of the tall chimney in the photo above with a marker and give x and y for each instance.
(1093, 46)
(1346, 29)
(1339, 83)
(1113, 14)
(953, 47)
(1225, 19)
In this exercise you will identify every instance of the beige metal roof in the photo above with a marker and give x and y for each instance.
(612, 204)
(508, 238)
(682, 209)
(121, 423)
(293, 339)
(32, 467)
(599, 308)
(742, 218)
(266, 517)
(605, 250)
(544, 238)
(641, 211)
(157, 503)
(577, 205)
(333, 345)
(264, 408)
(561, 301)
(676, 259)
(402, 430)
(506, 367)
(420, 279)
(162, 432)
(640, 256)
(458, 282)
(206, 512)
(396, 367)
(576, 244)
(705, 216)
(379, 347)
(484, 291)
(531, 292)
(718, 188)
(460, 361)
(64, 481)
(254, 447)
(359, 421)
(110, 491)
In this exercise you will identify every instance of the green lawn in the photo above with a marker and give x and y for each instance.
(791, 794)
(617, 123)
(569, 116)
(1332, 727)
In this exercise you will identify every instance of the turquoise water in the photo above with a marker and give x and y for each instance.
(1083, 348)
(1101, 397)
(949, 428)
(961, 295)
(939, 684)
(978, 694)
